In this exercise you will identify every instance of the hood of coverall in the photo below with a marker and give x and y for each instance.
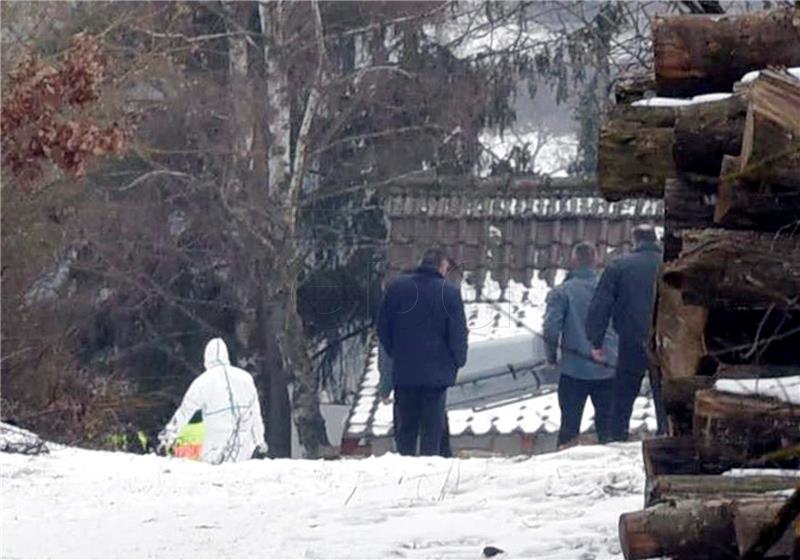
(216, 354)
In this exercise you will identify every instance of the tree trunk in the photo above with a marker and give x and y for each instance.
(273, 18)
(634, 153)
(701, 54)
(275, 385)
(642, 148)
(286, 175)
(750, 518)
(633, 87)
(691, 529)
(705, 132)
(686, 206)
(679, 334)
(761, 188)
(683, 455)
(258, 318)
(747, 427)
(676, 488)
(736, 269)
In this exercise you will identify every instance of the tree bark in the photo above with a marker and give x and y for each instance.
(701, 54)
(679, 334)
(679, 392)
(642, 148)
(260, 317)
(705, 132)
(273, 18)
(686, 206)
(690, 529)
(676, 488)
(761, 188)
(633, 87)
(736, 269)
(683, 455)
(764, 527)
(634, 153)
(744, 426)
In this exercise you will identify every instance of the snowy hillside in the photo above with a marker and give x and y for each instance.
(76, 503)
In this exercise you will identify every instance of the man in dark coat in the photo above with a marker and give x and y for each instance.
(423, 329)
(625, 296)
(581, 376)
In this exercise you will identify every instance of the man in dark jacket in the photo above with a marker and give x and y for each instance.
(581, 376)
(423, 329)
(625, 296)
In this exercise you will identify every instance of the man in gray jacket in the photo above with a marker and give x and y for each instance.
(581, 376)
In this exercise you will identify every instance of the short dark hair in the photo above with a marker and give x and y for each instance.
(434, 257)
(643, 233)
(584, 253)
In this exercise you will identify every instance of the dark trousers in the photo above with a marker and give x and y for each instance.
(419, 416)
(627, 385)
(572, 395)
(444, 446)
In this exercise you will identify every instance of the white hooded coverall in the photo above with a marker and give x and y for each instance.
(227, 397)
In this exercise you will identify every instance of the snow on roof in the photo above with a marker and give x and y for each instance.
(786, 389)
(526, 410)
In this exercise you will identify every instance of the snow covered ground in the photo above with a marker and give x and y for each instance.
(88, 504)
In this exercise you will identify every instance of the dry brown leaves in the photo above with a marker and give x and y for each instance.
(45, 117)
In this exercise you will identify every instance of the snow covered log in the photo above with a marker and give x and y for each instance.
(745, 427)
(760, 189)
(736, 269)
(682, 487)
(750, 518)
(697, 54)
(678, 393)
(689, 529)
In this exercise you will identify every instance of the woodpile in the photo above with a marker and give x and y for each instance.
(726, 161)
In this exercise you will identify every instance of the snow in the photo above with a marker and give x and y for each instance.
(762, 472)
(785, 389)
(751, 76)
(551, 153)
(90, 504)
(681, 102)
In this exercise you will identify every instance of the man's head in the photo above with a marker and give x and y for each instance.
(584, 255)
(643, 233)
(437, 259)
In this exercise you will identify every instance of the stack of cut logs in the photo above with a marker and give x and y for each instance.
(721, 144)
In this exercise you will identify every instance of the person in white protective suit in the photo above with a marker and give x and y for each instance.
(227, 397)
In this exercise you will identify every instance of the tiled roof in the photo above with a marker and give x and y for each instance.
(510, 235)
(549, 206)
